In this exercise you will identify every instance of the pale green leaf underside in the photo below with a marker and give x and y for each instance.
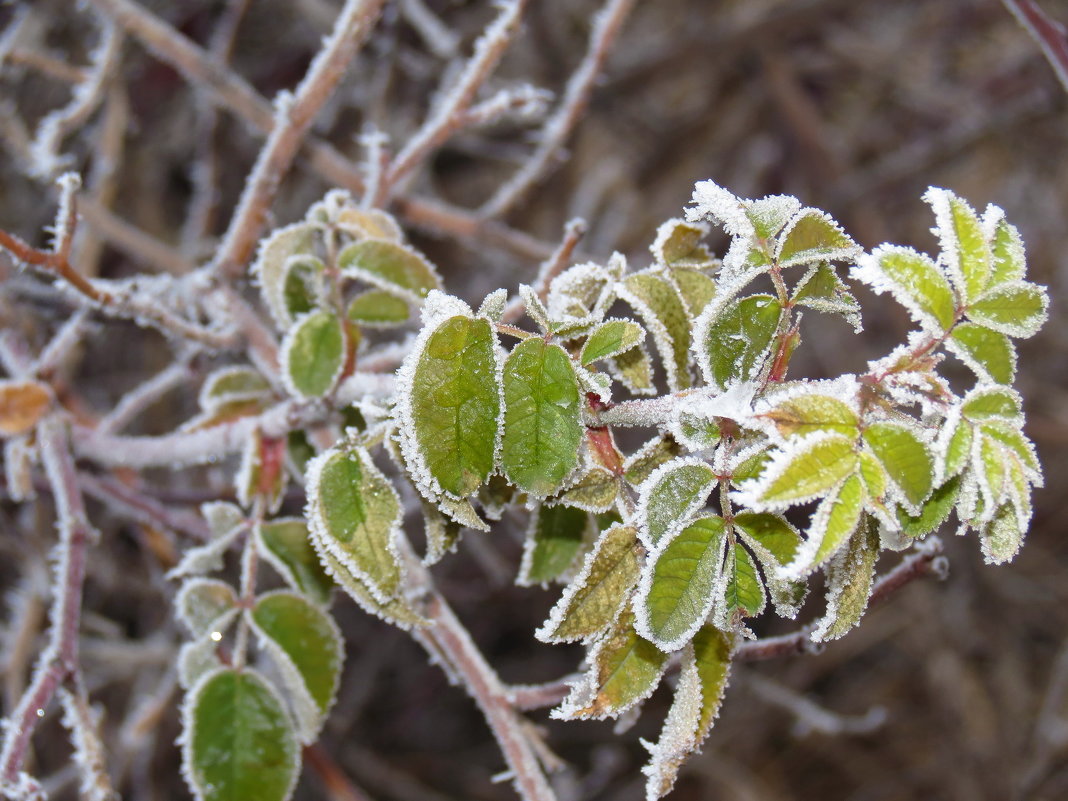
(806, 414)
(850, 583)
(389, 265)
(396, 610)
(712, 655)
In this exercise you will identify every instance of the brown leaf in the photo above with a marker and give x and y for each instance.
(22, 404)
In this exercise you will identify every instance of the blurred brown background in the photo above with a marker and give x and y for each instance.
(855, 107)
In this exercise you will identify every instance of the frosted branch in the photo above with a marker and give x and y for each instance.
(1050, 35)
(557, 262)
(144, 395)
(810, 716)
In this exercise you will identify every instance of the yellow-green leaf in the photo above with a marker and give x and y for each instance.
(610, 339)
(313, 354)
(989, 354)
(805, 414)
(376, 307)
(914, 281)
(813, 236)
(389, 266)
(906, 459)
(744, 594)
(804, 472)
(1017, 308)
(660, 306)
(849, 583)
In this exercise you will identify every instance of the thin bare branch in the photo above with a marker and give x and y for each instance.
(1050, 35)
(560, 259)
(144, 395)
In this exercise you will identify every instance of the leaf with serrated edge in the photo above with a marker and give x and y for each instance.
(661, 307)
(634, 370)
(641, 464)
(913, 280)
(390, 266)
(595, 596)
(542, 417)
(553, 542)
(237, 742)
(306, 646)
(807, 413)
(935, 510)
(200, 602)
(1011, 438)
(671, 494)
(992, 402)
(624, 670)
(833, 523)
(493, 305)
(594, 491)
(679, 243)
(849, 583)
(906, 459)
(610, 339)
(743, 591)
(1006, 246)
(1001, 536)
(313, 354)
(286, 544)
(733, 338)
(1017, 309)
(990, 355)
(821, 289)
(801, 472)
(354, 515)
(770, 533)
(677, 588)
(965, 250)
(397, 611)
(378, 308)
(813, 236)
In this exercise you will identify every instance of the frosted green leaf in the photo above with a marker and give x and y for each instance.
(624, 670)
(935, 510)
(990, 355)
(913, 280)
(821, 289)
(306, 645)
(804, 414)
(1007, 249)
(906, 459)
(769, 215)
(442, 534)
(672, 493)
(300, 288)
(1011, 438)
(813, 236)
(743, 590)
(835, 520)
(802, 472)
(849, 583)
(660, 306)
(595, 491)
(376, 307)
(299, 451)
(986, 402)
(389, 266)
(553, 542)
(397, 610)
(751, 467)
(693, 427)
(313, 354)
(990, 470)
(269, 268)
(493, 305)
(286, 544)
(712, 654)
(238, 743)
(964, 243)
(958, 449)
(201, 602)
(770, 533)
(231, 384)
(594, 597)
(679, 243)
(657, 451)
(696, 288)
(462, 512)
(677, 591)
(455, 404)
(634, 370)
(542, 417)
(1017, 309)
(1002, 536)
(354, 514)
(735, 339)
(611, 338)
(873, 475)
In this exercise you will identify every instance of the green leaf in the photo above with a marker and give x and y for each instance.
(770, 533)
(964, 244)
(657, 451)
(712, 654)
(354, 514)
(230, 384)
(299, 450)
(752, 466)
(813, 236)
(693, 426)
(455, 405)
(660, 306)
(743, 590)
(735, 338)
(624, 670)
(821, 289)
(611, 338)
(1017, 309)
(238, 743)
(934, 511)
(286, 544)
(803, 472)
(389, 266)
(553, 542)
(670, 495)
(595, 491)
(696, 288)
(849, 583)
(594, 597)
(805, 414)
(835, 520)
(1002, 536)
(958, 449)
(376, 307)
(1011, 438)
(397, 610)
(306, 645)
(874, 476)
(987, 403)
(914, 281)
(990, 355)
(270, 266)
(313, 354)
(678, 591)
(201, 602)
(300, 288)
(1007, 248)
(542, 417)
(679, 243)
(905, 458)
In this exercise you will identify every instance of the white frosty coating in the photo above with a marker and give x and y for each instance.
(712, 202)
(804, 563)
(222, 516)
(869, 271)
(994, 535)
(844, 253)
(994, 217)
(191, 611)
(1019, 330)
(376, 280)
(624, 347)
(734, 403)
(582, 293)
(996, 389)
(269, 268)
(661, 336)
(724, 299)
(599, 384)
(645, 586)
(493, 305)
(929, 391)
(83, 723)
(750, 492)
(324, 542)
(840, 574)
(940, 445)
(535, 309)
(560, 609)
(357, 388)
(287, 346)
(727, 460)
(197, 657)
(185, 740)
(954, 346)
(891, 539)
(682, 515)
(247, 467)
(849, 311)
(18, 469)
(306, 713)
(205, 558)
(992, 496)
(209, 401)
(667, 228)
(939, 201)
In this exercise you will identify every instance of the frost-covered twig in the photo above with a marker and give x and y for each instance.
(144, 395)
(337, 785)
(294, 114)
(810, 716)
(449, 114)
(436, 35)
(526, 697)
(69, 335)
(83, 722)
(132, 504)
(1047, 32)
(558, 127)
(551, 267)
(59, 660)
